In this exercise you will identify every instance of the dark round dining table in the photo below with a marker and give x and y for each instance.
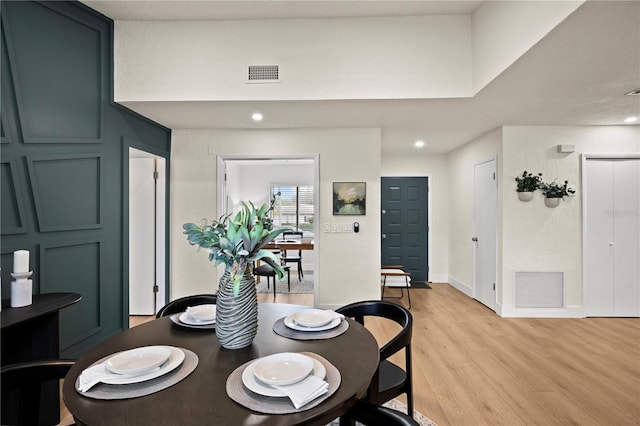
(201, 397)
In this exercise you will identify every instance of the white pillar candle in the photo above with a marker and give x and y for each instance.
(21, 261)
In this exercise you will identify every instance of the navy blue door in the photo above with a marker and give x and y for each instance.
(404, 224)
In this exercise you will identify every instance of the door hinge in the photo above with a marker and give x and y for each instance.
(155, 175)
(494, 175)
(494, 286)
(156, 288)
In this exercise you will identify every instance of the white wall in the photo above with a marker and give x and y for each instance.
(347, 264)
(538, 238)
(502, 31)
(351, 58)
(253, 181)
(435, 167)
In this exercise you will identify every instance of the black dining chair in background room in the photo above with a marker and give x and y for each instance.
(390, 380)
(181, 304)
(21, 385)
(368, 414)
(288, 256)
(267, 271)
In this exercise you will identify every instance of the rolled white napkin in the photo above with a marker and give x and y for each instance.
(98, 373)
(94, 375)
(305, 391)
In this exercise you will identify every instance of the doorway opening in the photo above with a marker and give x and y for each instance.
(243, 178)
(147, 231)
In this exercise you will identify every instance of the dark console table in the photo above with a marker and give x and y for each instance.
(32, 333)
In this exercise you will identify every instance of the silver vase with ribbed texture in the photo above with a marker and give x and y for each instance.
(237, 316)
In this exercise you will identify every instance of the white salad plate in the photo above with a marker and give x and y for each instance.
(283, 368)
(176, 357)
(138, 361)
(205, 312)
(313, 318)
(289, 322)
(186, 318)
(252, 383)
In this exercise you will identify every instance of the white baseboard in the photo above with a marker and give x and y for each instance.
(566, 312)
(459, 285)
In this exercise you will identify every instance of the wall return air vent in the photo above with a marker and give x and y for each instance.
(263, 74)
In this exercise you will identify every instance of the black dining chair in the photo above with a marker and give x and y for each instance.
(290, 257)
(368, 414)
(21, 388)
(390, 380)
(267, 271)
(181, 304)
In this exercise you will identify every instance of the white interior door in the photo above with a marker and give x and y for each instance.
(485, 216)
(612, 237)
(147, 183)
(626, 237)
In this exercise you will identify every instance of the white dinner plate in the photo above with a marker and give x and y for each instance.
(313, 318)
(205, 312)
(175, 359)
(253, 384)
(289, 322)
(138, 361)
(186, 318)
(283, 368)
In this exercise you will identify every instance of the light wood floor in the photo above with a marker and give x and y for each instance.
(472, 367)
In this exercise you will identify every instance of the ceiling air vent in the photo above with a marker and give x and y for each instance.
(633, 92)
(263, 74)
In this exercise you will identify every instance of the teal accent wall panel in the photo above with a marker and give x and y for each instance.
(63, 168)
(12, 211)
(6, 96)
(65, 105)
(62, 201)
(74, 267)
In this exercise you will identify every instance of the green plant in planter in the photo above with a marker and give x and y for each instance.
(556, 190)
(528, 182)
(237, 242)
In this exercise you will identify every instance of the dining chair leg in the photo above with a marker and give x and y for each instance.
(346, 421)
(274, 287)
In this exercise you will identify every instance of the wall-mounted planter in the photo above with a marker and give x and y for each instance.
(552, 202)
(525, 195)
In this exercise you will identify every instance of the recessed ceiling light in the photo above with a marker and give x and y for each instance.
(419, 144)
(631, 119)
(256, 116)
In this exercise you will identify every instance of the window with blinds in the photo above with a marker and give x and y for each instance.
(294, 208)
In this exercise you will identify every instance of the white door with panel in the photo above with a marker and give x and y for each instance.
(485, 217)
(612, 237)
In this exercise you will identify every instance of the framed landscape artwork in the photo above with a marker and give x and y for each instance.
(349, 198)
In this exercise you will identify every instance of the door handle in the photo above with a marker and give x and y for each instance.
(474, 239)
(384, 235)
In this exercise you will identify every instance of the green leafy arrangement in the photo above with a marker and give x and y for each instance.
(556, 190)
(528, 182)
(238, 241)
